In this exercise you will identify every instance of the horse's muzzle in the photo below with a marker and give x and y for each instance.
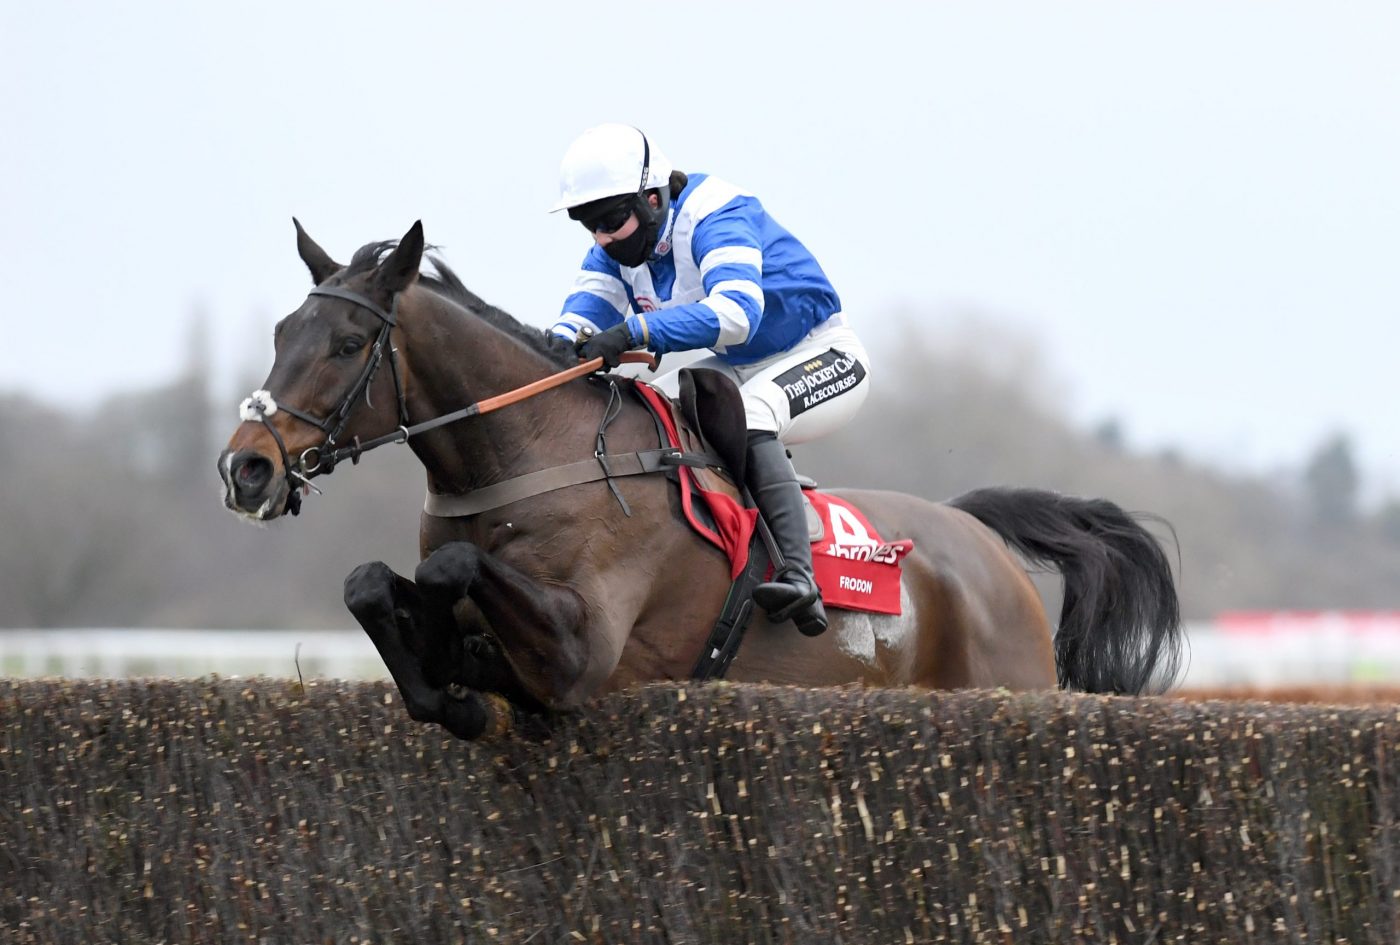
(251, 484)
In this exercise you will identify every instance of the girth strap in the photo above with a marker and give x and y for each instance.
(609, 466)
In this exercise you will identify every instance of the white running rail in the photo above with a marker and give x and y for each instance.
(1287, 650)
(115, 652)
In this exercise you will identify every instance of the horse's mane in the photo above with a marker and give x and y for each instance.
(442, 280)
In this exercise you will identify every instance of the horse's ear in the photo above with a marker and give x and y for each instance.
(317, 260)
(400, 268)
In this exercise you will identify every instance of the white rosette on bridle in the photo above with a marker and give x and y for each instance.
(257, 405)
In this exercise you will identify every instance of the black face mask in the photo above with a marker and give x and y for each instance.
(634, 250)
(637, 248)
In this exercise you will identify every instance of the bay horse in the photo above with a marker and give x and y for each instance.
(541, 604)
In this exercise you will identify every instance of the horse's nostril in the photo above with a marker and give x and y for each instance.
(251, 473)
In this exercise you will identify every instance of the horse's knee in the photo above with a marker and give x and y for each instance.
(450, 570)
(369, 590)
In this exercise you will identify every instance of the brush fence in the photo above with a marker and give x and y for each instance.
(234, 811)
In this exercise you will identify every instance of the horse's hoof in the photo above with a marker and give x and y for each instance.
(471, 715)
(504, 712)
(466, 718)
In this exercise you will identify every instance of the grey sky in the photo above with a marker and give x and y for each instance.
(1194, 207)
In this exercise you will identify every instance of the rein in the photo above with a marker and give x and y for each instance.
(260, 405)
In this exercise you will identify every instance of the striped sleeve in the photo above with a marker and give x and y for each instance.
(729, 253)
(598, 299)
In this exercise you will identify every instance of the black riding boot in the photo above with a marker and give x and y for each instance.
(792, 594)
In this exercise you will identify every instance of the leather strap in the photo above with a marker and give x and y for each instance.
(387, 317)
(728, 631)
(541, 481)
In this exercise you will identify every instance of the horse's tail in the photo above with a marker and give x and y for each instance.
(1120, 626)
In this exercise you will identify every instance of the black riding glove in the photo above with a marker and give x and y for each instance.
(608, 345)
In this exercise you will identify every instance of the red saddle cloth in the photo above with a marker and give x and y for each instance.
(855, 568)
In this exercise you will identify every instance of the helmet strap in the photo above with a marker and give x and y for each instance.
(646, 163)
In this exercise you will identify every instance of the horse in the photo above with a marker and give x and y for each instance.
(539, 605)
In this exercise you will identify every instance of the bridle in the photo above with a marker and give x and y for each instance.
(322, 459)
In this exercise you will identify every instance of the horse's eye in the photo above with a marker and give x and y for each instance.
(349, 347)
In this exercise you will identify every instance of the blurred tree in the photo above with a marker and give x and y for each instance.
(70, 523)
(1332, 482)
(959, 420)
(1109, 434)
(115, 518)
(1388, 521)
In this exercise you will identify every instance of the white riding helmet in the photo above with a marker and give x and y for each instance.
(609, 161)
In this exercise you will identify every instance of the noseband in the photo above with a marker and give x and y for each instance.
(321, 459)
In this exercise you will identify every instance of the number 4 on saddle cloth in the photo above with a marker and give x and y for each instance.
(855, 568)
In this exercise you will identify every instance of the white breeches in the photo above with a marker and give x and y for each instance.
(801, 394)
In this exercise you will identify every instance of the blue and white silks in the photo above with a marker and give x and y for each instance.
(725, 276)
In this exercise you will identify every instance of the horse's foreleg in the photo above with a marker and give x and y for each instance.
(539, 626)
(420, 644)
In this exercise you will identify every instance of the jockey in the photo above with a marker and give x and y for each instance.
(684, 262)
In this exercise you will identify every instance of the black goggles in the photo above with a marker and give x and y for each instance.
(608, 218)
